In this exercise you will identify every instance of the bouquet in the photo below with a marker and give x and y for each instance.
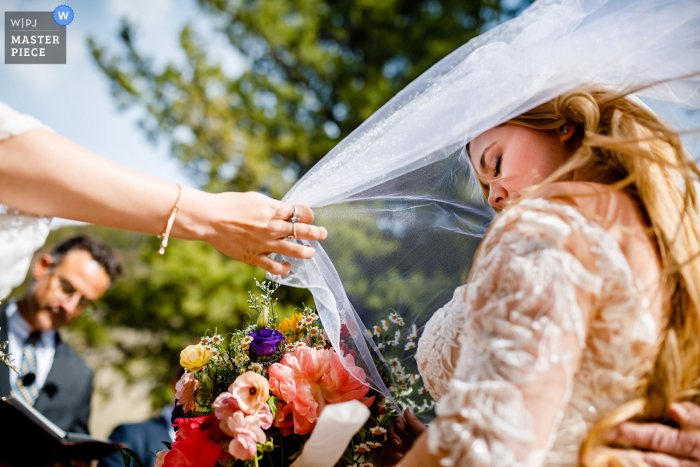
(253, 396)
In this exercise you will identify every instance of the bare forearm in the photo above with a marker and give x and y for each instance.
(44, 173)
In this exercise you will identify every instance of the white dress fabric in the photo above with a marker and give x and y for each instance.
(551, 333)
(21, 234)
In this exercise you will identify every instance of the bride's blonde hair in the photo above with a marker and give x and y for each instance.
(632, 149)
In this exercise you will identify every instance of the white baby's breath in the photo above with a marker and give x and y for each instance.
(396, 319)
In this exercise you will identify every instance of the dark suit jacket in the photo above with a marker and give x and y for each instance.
(144, 438)
(65, 397)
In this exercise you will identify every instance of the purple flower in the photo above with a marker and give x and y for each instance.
(265, 342)
(179, 412)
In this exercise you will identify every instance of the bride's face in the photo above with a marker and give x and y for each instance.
(510, 158)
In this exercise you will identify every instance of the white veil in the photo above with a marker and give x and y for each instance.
(403, 210)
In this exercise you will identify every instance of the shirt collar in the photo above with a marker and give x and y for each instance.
(17, 325)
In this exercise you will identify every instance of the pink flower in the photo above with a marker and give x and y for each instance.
(225, 405)
(184, 391)
(265, 416)
(308, 379)
(246, 433)
(251, 391)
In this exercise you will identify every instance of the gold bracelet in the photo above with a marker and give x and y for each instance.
(166, 233)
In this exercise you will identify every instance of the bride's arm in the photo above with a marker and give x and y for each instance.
(528, 307)
(44, 173)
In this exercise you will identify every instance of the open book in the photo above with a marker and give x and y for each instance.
(29, 439)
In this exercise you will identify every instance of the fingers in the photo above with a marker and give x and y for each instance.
(653, 459)
(252, 225)
(392, 455)
(305, 214)
(400, 424)
(414, 425)
(272, 266)
(292, 249)
(658, 438)
(303, 231)
(397, 443)
(685, 414)
(393, 440)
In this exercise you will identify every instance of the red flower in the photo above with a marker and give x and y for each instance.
(285, 419)
(192, 446)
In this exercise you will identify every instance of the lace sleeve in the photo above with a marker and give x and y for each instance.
(527, 308)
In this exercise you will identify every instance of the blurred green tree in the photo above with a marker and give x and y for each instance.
(315, 70)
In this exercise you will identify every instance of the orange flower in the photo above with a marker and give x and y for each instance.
(288, 326)
(251, 392)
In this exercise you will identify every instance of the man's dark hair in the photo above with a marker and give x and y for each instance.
(97, 249)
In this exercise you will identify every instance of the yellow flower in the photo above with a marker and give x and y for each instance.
(194, 357)
(288, 326)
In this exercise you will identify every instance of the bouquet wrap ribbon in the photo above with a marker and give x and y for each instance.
(334, 429)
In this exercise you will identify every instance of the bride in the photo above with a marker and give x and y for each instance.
(583, 301)
(583, 305)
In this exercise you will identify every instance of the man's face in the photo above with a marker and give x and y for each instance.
(61, 292)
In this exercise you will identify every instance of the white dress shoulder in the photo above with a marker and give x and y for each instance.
(21, 234)
(552, 332)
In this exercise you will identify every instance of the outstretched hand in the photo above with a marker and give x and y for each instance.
(401, 436)
(44, 173)
(249, 226)
(661, 445)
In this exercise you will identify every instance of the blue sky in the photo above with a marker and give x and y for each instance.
(75, 100)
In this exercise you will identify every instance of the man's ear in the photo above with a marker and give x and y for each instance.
(566, 132)
(42, 267)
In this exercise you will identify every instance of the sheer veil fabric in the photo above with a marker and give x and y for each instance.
(404, 211)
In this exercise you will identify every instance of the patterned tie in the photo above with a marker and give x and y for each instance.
(25, 386)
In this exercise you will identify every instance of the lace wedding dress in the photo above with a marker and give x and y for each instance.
(21, 234)
(555, 328)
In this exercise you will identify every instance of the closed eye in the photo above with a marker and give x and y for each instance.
(67, 287)
(497, 170)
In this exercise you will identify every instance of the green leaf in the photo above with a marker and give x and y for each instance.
(128, 455)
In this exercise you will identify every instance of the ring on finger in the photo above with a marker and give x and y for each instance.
(295, 216)
(294, 231)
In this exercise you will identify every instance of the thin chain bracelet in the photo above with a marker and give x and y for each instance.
(166, 233)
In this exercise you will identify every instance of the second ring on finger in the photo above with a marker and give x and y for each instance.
(293, 235)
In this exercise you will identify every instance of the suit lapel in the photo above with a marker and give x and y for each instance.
(59, 376)
(4, 371)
